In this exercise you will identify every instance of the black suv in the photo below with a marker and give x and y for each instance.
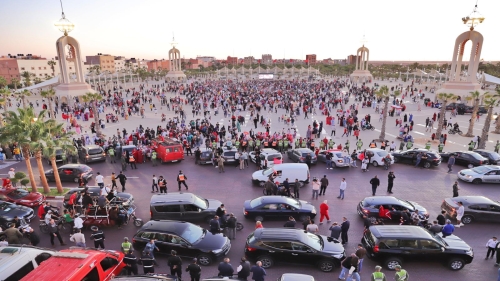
(393, 244)
(9, 210)
(492, 156)
(187, 239)
(182, 206)
(293, 245)
(465, 158)
(410, 157)
(476, 208)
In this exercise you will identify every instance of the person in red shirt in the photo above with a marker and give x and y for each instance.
(323, 211)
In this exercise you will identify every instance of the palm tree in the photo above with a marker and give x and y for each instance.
(475, 96)
(22, 95)
(37, 80)
(383, 93)
(3, 82)
(49, 94)
(490, 102)
(3, 102)
(52, 65)
(445, 97)
(92, 99)
(24, 128)
(27, 78)
(497, 127)
(15, 82)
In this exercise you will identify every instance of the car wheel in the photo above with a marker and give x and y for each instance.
(334, 165)
(204, 259)
(427, 165)
(476, 181)
(396, 159)
(375, 164)
(391, 263)
(326, 265)
(138, 223)
(470, 166)
(456, 263)
(76, 180)
(266, 261)
(259, 218)
(467, 219)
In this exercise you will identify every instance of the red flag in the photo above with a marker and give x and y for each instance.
(274, 61)
(306, 61)
(291, 60)
(259, 61)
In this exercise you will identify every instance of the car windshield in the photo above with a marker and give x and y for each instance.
(268, 172)
(304, 154)
(200, 202)
(407, 205)
(382, 153)
(314, 241)
(439, 239)
(476, 155)
(255, 202)
(5, 207)
(18, 193)
(95, 151)
(292, 202)
(229, 153)
(481, 169)
(495, 155)
(193, 233)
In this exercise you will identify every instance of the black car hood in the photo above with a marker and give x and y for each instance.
(19, 211)
(211, 241)
(332, 246)
(455, 243)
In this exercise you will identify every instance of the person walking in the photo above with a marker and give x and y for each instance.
(155, 184)
(54, 232)
(175, 264)
(162, 182)
(296, 189)
(194, 270)
(460, 214)
(315, 188)
(343, 186)
(491, 245)
(243, 269)
(181, 179)
(220, 164)
(390, 181)
(113, 181)
(375, 182)
(130, 261)
(360, 253)
(150, 247)
(148, 263)
(378, 275)
(323, 211)
(346, 265)
(401, 274)
(344, 228)
(455, 189)
(451, 162)
(258, 273)
(78, 238)
(123, 179)
(324, 185)
(98, 237)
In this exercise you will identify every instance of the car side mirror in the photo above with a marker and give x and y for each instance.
(309, 251)
(442, 249)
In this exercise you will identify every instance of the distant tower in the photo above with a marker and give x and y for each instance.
(175, 72)
(361, 73)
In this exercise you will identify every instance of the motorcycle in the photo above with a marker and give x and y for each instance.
(367, 127)
(453, 131)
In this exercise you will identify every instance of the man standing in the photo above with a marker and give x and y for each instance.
(390, 181)
(378, 275)
(163, 184)
(324, 185)
(181, 179)
(401, 274)
(197, 157)
(98, 237)
(220, 164)
(113, 181)
(328, 161)
(13, 235)
(335, 230)
(126, 245)
(455, 189)
(225, 268)
(460, 213)
(258, 271)
(296, 189)
(194, 269)
(148, 263)
(131, 263)
(155, 184)
(78, 238)
(123, 179)
(344, 228)
(451, 162)
(360, 253)
(343, 186)
(54, 232)
(231, 227)
(244, 156)
(175, 264)
(243, 269)
(99, 179)
(375, 182)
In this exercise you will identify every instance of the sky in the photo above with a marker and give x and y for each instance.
(421, 30)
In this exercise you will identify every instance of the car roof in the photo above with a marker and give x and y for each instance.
(166, 225)
(304, 150)
(286, 234)
(73, 166)
(11, 250)
(375, 200)
(270, 199)
(269, 151)
(296, 277)
(483, 150)
(172, 198)
(92, 146)
(399, 231)
(470, 200)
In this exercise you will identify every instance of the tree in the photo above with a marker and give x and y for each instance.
(475, 96)
(490, 102)
(22, 95)
(27, 78)
(383, 93)
(24, 128)
(445, 97)
(37, 80)
(49, 95)
(497, 127)
(15, 82)
(93, 99)
(3, 82)
(52, 65)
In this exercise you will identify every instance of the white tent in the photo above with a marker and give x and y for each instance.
(46, 83)
(490, 79)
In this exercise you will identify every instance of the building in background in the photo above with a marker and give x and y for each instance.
(351, 59)
(120, 63)
(267, 59)
(340, 61)
(249, 60)
(232, 60)
(157, 65)
(205, 59)
(9, 68)
(311, 59)
(106, 62)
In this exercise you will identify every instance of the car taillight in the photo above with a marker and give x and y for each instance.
(87, 156)
(250, 249)
(151, 214)
(133, 240)
(376, 249)
(245, 213)
(301, 158)
(480, 162)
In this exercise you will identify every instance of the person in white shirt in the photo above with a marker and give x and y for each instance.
(392, 147)
(78, 238)
(460, 214)
(491, 245)
(99, 179)
(12, 174)
(78, 223)
(343, 186)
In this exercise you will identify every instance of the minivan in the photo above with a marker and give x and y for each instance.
(182, 206)
(91, 153)
(291, 171)
(17, 261)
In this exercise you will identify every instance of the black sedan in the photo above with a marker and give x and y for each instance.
(189, 240)
(278, 207)
(492, 156)
(8, 211)
(476, 208)
(370, 206)
(94, 191)
(299, 155)
(70, 172)
(410, 157)
(469, 159)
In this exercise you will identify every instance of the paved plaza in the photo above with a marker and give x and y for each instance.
(425, 186)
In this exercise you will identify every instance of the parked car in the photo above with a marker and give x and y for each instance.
(492, 156)
(292, 245)
(16, 261)
(206, 156)
(267, 153)
(477, 208)
(187, 239)
(395, 244)
(182, 206)
(376, 156)
(278, 207)
(410, 157)
(281, 172)
(9, 210)
(59, 153)
(70, 172)
(229, 155)
(295, 277)
(91, 153)
(122, 198)
(22, 197)
(370, 207)
(481, 174)
(169, 150)
(465, 158)
(298, 155)
(337, 157)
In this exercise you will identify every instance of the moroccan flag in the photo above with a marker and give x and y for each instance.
(274, 61)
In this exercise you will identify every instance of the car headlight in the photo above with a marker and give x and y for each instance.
(468, 176)
(313, 211)
(217, 251)
(339, 256)
(470, 252)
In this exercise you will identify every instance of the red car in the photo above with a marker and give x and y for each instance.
(21, 197)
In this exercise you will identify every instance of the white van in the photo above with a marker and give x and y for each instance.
(291, 171)
(18, 260)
